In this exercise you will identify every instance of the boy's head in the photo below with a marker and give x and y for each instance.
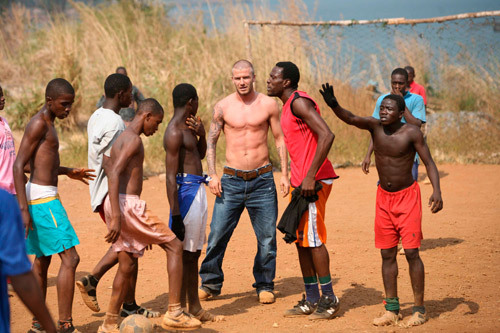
(285, 74)
(185, 95)
(243, 77)
(152, 111)
(399, 80)
(391, 109)
(411, 73)
(2, 99)
(121, 70)
(118, 86)
(59, 97)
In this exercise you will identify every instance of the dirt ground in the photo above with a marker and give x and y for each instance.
(460, 252)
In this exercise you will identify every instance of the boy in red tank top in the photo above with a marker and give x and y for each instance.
(308, 140)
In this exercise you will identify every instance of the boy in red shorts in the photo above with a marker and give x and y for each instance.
(398, 206)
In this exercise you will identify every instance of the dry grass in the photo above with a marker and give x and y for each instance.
(87, 43)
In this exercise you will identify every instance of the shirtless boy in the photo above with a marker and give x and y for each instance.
(398, 211)
(245, 117)
(48, 228)
(185, 145)
(132, 227)
(103, 128)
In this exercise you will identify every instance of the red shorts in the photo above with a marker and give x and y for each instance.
(100, 210)
(398, 214)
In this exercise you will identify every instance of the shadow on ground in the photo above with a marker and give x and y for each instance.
(358, 296)
(433, 243)
(435, 308)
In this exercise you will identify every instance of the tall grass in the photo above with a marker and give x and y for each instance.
(86, 43)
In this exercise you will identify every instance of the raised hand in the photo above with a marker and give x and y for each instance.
(81, 174)
(328, 95)
(196, 125)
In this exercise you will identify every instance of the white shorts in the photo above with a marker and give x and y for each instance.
(195, 222)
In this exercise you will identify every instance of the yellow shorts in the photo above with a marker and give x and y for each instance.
(312, 230)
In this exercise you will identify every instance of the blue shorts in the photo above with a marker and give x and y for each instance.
(52, 232)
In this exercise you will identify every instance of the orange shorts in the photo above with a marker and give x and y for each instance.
(311, 231)
(398, 214)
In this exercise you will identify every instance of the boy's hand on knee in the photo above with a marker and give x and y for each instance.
(178, 226)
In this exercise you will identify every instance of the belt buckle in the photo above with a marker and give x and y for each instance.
(249, 175)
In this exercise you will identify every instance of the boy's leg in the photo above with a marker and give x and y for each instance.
(389, 276)
(190, 280)
(175, 316)
(174, 269)
(66, 282)
(417, 276)
(126, 266)
(88, 284)
(390, 271)
(40, 268)
(107, 262)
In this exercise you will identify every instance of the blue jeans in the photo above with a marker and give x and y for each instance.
(259, 197)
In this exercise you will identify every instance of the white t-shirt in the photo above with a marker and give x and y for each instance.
(103, 129)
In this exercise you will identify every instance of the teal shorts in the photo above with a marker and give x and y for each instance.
(52, 232)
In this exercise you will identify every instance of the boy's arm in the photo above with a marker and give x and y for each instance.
(365, 165)
(196, 125)
(279, 140)
(172, 143)
(435, 200)
(213, 135)
(30, 294)
(115, 166)
(80, 174)
(346, 116)
(33, 134)
(304, 109)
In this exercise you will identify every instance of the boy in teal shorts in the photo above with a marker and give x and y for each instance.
(48, 229)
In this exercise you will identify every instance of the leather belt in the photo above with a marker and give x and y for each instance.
(248, 175)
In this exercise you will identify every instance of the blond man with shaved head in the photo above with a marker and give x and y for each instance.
(247, 181)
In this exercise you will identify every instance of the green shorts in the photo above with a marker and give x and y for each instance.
(52, 232)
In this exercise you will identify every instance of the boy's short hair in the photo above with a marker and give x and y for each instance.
(290, 72)
(182, 93)
(151, 105)
(400, 101)
(409, 69)
(116, 83)
(58, 87)
(400, 71)
(242, 63)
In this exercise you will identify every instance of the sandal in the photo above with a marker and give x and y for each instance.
(141, 311)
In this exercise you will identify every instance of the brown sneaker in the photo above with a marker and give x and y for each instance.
(183, 321)
(203, 316)
(266, 297)
(417, 319)
(389, 318)
(204, 295)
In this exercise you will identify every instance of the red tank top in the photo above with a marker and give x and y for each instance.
(301, 143)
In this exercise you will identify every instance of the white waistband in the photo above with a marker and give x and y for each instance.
(35, 191)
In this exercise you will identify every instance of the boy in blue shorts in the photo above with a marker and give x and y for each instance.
(48, 229)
